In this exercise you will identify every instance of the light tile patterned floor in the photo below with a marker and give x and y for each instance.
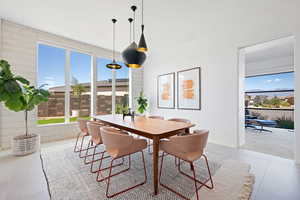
(279, 142)
(276, 178)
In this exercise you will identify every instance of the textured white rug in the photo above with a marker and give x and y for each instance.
(70, 179)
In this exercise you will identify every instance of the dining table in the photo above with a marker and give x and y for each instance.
(154, 129)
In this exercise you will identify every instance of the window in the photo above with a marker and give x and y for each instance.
(104, 87)
(270, 91)
(67, 75)
(122, 89)
(51, 75)
(80, 96)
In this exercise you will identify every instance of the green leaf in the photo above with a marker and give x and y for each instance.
(14, 104)
(22, 80)
(12, 87)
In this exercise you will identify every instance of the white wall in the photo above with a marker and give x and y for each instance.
(208, 34)
(19, 48)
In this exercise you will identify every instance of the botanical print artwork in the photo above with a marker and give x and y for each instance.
(188, 84)
(165, 91)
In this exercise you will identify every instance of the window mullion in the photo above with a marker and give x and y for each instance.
(68, 85)
(93, 86)
(113, 95)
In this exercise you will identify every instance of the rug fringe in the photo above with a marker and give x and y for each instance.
(247, 187)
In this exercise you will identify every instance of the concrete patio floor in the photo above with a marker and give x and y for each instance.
(279, 142)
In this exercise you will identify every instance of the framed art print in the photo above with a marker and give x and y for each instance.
(189, 89)
(166, 91)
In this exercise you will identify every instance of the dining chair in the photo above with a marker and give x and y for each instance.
(149, 140)
(188, 148)
(119, 145)
(82, 123)
(95, 142)
(180, 120)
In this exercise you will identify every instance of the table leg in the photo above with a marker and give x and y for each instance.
(187, 130)
(155, 164)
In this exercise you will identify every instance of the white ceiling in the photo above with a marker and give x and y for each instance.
(90, 20)
(269, 50)
(87, 21)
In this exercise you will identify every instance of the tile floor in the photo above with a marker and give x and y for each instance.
(279, 142)
(276, 178)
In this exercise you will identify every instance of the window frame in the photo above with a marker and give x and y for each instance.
(68, 71)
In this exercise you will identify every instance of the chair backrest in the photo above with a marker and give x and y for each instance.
(83, 125)
(94, 130)
(155, 117)
(114, 139)
(180, 120)
(192, 142)
(204, 136)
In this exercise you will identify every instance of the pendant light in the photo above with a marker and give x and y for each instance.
(114, 64)
(142, 44)
(131, 56)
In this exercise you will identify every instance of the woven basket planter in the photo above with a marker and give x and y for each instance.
(24, 145)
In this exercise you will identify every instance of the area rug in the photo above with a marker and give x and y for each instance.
(70, 179)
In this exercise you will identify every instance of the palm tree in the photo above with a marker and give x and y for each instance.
(78, 89)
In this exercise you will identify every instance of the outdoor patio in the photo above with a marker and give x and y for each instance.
(279, 142)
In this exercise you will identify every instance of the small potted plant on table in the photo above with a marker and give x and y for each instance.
(17, 95)
(142, 103)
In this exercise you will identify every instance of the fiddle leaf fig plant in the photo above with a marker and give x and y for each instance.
(17, 94)
(142, 103)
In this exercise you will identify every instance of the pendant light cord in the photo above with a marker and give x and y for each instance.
(142, 12)
(133, 26)
(114, 37)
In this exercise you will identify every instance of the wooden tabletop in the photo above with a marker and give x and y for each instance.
(144, 126)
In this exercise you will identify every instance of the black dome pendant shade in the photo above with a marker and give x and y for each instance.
(132, 57)
(114, 64)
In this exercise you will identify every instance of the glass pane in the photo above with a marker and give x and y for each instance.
(80, 96)
(270, 82)
(51, 75)
(280, 91)
(122, 89)
(104, 87)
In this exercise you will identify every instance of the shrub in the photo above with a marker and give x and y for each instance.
(284, 122)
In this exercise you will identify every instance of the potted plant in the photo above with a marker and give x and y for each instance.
(78, 89)
(17, 95)
(142, 103)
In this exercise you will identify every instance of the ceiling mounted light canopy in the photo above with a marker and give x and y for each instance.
(142, 44)
(114, 64)
(131, 56)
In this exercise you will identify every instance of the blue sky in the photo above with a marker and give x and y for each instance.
(51, 62)
(270, 82)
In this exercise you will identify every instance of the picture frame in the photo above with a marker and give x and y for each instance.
(166, 91)
(189, 89)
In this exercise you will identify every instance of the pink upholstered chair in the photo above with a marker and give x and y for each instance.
(188, 148)
(119, 145)
(180, 120)
(83, 133)
(94, 143)
(149, 141)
